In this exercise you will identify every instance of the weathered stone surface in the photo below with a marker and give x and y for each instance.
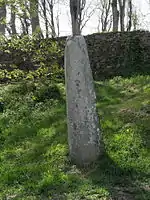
(83, 124)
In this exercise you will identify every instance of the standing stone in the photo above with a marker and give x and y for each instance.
(83, 123)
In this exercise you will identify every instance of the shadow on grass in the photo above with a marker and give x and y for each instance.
(120, 183)
(119, 105)
(123, 183)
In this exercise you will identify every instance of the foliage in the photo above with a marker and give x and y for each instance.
(42, 72)
(34, 150)
(29, 58)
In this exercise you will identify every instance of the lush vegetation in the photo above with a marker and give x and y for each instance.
(123, 54)
(29, 58)
(34, 150)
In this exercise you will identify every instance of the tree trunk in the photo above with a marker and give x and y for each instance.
(83, 123)
(115, 13)
(135, 20)
(58, 26)
(122, 13)
(45, 17)
(105, 14)
(75, 16)
(2, 19)
(13, 20)
(129, 15)
(51, 6)
(34, 16)
(25, 19)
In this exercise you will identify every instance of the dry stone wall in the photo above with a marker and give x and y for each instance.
(111, 54)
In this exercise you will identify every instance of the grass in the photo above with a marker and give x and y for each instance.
(34, 162)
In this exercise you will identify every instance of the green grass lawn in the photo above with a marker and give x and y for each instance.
(34, 163)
